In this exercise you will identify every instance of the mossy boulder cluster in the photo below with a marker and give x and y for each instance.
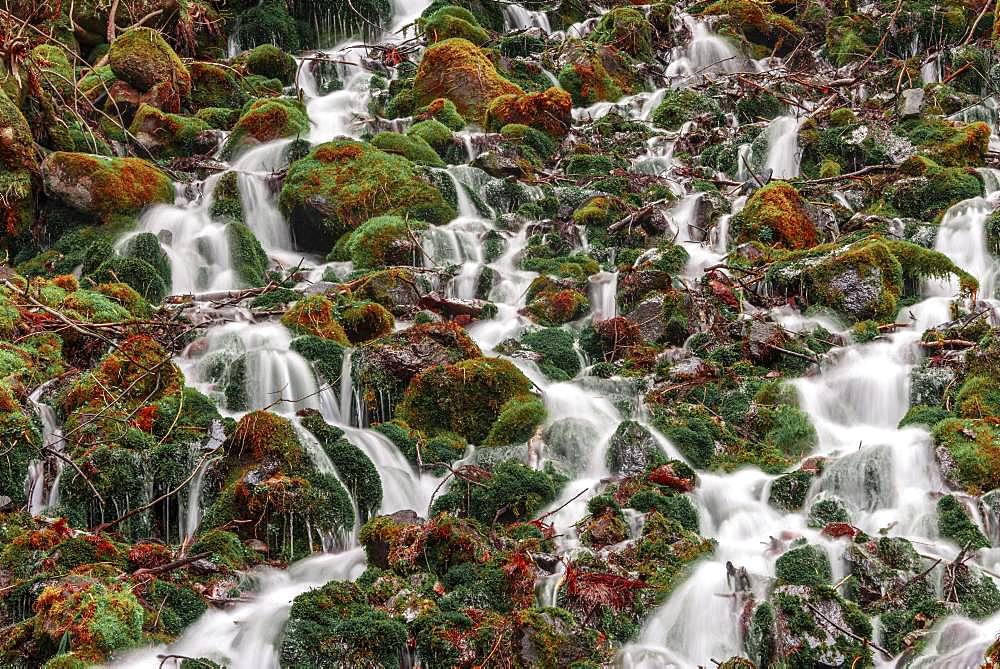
(573, 290)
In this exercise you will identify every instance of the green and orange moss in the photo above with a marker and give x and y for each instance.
(314, 315)
(453, 22)
(548, 111)
(466, 397)
(214, 86)
(384, 240)
(343, 183)
(443, 111)
(366, 321)
(265, 120)
(776, 214)
(262, 435)
(107, 188)
(96, 617)
(141, 57)
(166, 135)
(458, 70)
(757, 22)
(551, 302)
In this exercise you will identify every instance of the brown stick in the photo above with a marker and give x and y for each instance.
(170, 566)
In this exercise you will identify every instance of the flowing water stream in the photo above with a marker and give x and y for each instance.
(886, 476)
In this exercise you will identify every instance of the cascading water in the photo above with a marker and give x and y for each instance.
(783, 147)
(42, 484)
(855, 403)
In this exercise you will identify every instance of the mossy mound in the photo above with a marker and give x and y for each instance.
(453, 22)
(383, 241)
(776, 214)
(266, 120)
(466, 397)
(343, 183)
(143, 59)
(592, 73)
(314, 315)
(548, 111)
(682, 105)
(269, 61)
(105, 188)
(169, 135)
(626, 29)
(458, 70)
(410, 146)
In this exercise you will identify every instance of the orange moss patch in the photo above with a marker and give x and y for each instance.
(776, 214)
(105, 187)
(458, 70)
(549, 111)
(261, 435)
(313, 315)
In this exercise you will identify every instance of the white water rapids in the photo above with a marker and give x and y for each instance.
(855, 402)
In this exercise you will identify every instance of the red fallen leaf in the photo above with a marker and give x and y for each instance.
(723, 292)
(439, 587)
(591, 591)
(664, 475)
(462, 319)
(813, 465)
(838, 530)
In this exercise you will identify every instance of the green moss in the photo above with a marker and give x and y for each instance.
(214, 87)
(932, 189)
(806, 565)
(559, 359)
(412, 147)
(313, 315)
(626, 29)
(266, 120)
(451, 21)
(516, 423)
(269, 61)
(789, 491)
(443, 111)
(106, 188)
(177, 607)
(226, 202)
(268, 22)
(360, 182)
(465, 397)
(141, 57)
(334, 627)
(954, 523)
(247, 255)
(436, 134)
(137, 273)
(366, 321)
(354, 468)
(682, 105)
(224, 548)
(513, 492)
(675, 507)
(384, 240)
(826, 511)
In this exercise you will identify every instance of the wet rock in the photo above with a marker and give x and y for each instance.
(106, 188)
(143, 59)
(633, 449)
(568, 442)
(913, 103)
(498, 165)
(458, 70)
(760, 339)
(690, 369)
(789, 491)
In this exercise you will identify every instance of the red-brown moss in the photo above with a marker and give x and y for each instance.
(548, 111)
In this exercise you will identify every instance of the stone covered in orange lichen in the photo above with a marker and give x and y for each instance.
(549, 111)
(458, 70)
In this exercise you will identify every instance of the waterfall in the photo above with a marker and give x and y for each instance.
(603, 288)
(518, 17)
(42, 495)
(783, 147)
(259, 204)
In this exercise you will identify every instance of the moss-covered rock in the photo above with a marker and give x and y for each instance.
(383, 241)
(214, 86)
(314, 315)
(955, 523)
(806, 565)
(682, 105)
(776, 214)
(451, 21)
(143, 59)
(247, 255)
(170, 135)
(342, 183)
(465, 397)
(626, 29)
(269, 61)
(548, 111)
(457, 70)
(266, 120)
(105, 188)
(592, 73)
(410, 146)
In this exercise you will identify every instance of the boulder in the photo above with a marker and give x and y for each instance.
(106, 188)
(633, 449)
(142, 58)
(458, 70)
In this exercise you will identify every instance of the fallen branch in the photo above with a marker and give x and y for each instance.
(867, 642)
(170, 566)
